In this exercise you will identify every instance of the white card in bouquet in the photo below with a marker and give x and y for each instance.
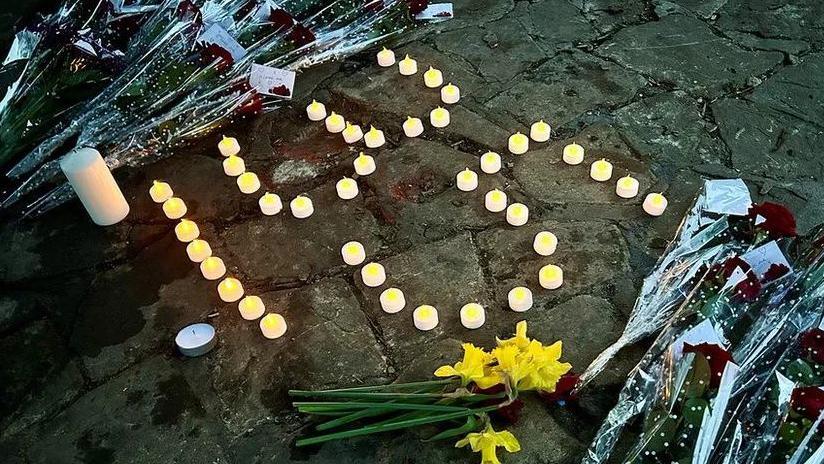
(272, 81)
(435, 12)
(738, 275)
(216, 34)
(727, 196)
(763, 257)
(701, 333)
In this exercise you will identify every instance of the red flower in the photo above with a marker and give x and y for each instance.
(749, 288)
(731, 264)
(301, 35)
(812, 343)
(416, 6)
(214, 52)
(188, 9)
(253, 105)
(778, 221)
(281, 90)
(775, 271)
(564, 389)
(716, 356)
(808, 401)
(280, 18)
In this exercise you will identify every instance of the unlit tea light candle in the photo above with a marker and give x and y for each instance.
(230, 290)
(490, 162)
(198, 250)
(248, 182)
(301, 207)
(392, 300)
(195, 340)
(425, 317)
(439, 117)
(626, 187)
(573, 154)
(270, 204)
(551, 277)
(412, 127)
(473, 316)
(433, 78)
(601, 170)
(407, 66)
(495, 201)
(545, 243)
(273, 326)
(373, 275)
(160, 191)
(251, 307)
(517, 214)
(518, 143)
(540, 131)
(174, 208)
(335, 123)
(386, 58)
(228, 146)
(374, 138)
(364, 164)
(212, 268)
(450, 94)
(352, 133)
(353, 253)
(347, 188)
(95, 186)
(519, 299)
(467, 180)
(316, 111)
(234, 166)
(186, 231)
(655, 204)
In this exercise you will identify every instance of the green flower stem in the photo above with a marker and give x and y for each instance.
(334, 406)
(391, 396)
(373, 388)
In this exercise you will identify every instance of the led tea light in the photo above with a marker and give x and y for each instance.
(551, 277)
(364, 164)
(270, 204)
(517, 214)
(212, 268)
(518, 143)
(655, 204)
(626, 187)
(473, 316)
(316, 111)
(174, 208)
(412, 127)
(439, 117)
(407, 66)
(520, 299)
(374, 138)
(433, 78)
(601, 170)
(353, 253)
(495, 201)
(490, 162)
(301, 207)
(545, 243)
(160, 191)
(230, 290)
(198, 250)
(352, 133)
(450, 94)
(573, 154)
(248, 182)
(228, 146)
(467, 180)
(425, 317)
(335, 123)
(186, 231)
(373, 275)
(251, 307)
(234, 166)
(273, 326)
(392, 300)
(347, 188)
(540, 131)
(386, 58)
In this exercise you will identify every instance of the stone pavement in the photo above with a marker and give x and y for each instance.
(670, 91)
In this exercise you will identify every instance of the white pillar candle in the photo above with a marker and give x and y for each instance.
(195, 340)
(234, 166)
(174, 208)
(335, 123)
(374, 138)
(347, 188)
(518, 143)
(495, 201)
(450, 94)
(601, 170)
(520, 299)
(490, 162)
(186, 231)
(373, 275)
(573, 154)
(551, 277)
(425, 317)
(352, 133)
(392, 300)
(212, 268)
(230, 290)
(407, 66)
(439, 117)
(95, 186)
(160, 191)
(270, 204)
(433, 78)
(316, 111)
(248, 182)
(545, 243)
(626, 187)
(228, 146)
(467, 180)
(655, 204)
(517, 214)
(412, 127)
(301, 207)
(386, 58)
(353, 253)
(473, 316)
(273, 326)
(251, 307)
(198, 250)
(540, 131)
(364, 164)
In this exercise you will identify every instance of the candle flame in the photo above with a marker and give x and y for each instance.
(519, 293)
(425, 312)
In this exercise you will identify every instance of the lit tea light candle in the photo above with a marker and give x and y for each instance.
(655, 204)
(626, 187)
(433, 78)
(174, 208)
(160, 191)
(450, 94)
(374, 138)
(392, 300)
(490, 162)
(347, 188)
(228, 146)
(520, 299)
(495, 201)
(301, 207)
(230, 290)
(412, 127)
(234, 166)
(373, 275)
(364, 164)
(353, 253)
(473, 316)
(517, 214)
(545, 243)
(551, 277)
(273, 326)
(407, 66)
(198, 250)
(601, 170)
(439, 117)
(248, 182)
(270, 204)
(540, 131)
(352, 133)
(316, 111)
(195, 340)
(335, 123)
(425, 317)
(212, 268)
(518, 143)
(251, 307)
(467, 180)
(573, 154)
(186, 231)
(386, 58)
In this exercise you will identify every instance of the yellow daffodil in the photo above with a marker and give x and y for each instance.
(487, 441)
(470, 368)
(547, 369)
(520, 339)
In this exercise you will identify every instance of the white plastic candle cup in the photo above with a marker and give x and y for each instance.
(439, 117)
(473, 316)
(251, 307)
(95, 186)
(228, 146)
(270, 204)
(347, 188)
(186, 231)
(248, 182)
(234, 166)
(540, 131)
(373, 275)
(392, 300)
(573, 154)
(520, 299)
(316, 111)
(551, 277)
(466, 180)
(230, 290)
(517, 214)
(655, 204)
(212, 268)
(450, 94)
(490, 162)
(518, 143)
(198, 250)
(386, 58)
(412, 127)
(195, 340)
(174, 208)
(160, 191)
(626, 187)
(301, 207)
(352, 133)
(433, 78)
(374, 138)
(335, 123)
(545, 243)
(364, 164)
(407, 66)
(425, 317)
(273, 326)
(495, 201)
(601, 170)
(353, 253)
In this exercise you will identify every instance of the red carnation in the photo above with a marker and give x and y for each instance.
(777, 220)
(301, 35)
(564, 389)
(417, 6)
(716, 356)
(775, 271)
(280, 18)
(214, 52)
(808, 401)
(812, 343)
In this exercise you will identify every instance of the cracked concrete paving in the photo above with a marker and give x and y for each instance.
(671, 91)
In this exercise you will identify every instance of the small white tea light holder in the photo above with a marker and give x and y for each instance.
(472, 315)
(551, 277)
(540, 131)
(373, 275)
(316, 111)
(495, 201)
(347, 188)
(195, 340)
(466, 180)
(519, 299)
(353, 253)
(490, 162)
(517, 214)
(270, 204)
(386, 58)
(273, 326)
(301, 207)
(412, 127)
(251, 307)
(655, 204)
(573, 154)
(392, 300)
(425, 317)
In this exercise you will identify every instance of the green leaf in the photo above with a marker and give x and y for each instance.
(790, 434)
(801, 372)
(698, 378)
(472, 425)
(307, 406)
(693, 411)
